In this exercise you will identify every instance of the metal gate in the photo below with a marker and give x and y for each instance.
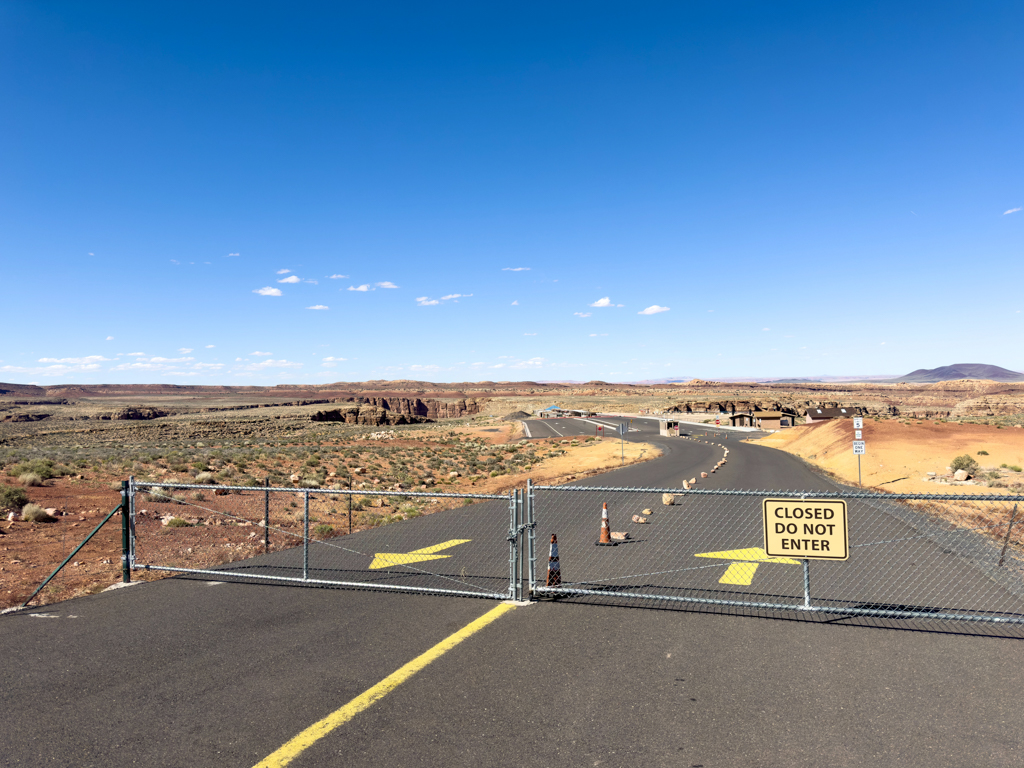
(954, 559)
(456, 544)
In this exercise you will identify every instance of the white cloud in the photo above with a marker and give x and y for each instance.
(766, 329)
(184, 350)
(170, 359)
(338, 277)
(598, 334)
(533, 362)
(110, 338)
(456, 296)
(386, 284)
(268, 291)
(136, 354)
(427, 368)
(335, 359)
(1012, 210)
(362, 288)
(605, 302)
(261, 354)
(209, 346)
(318, 306)
(232, 254)
(515, 303)
(265, 364)
(89, 360)
(283, 271)
(653, 310)
(291, 279)
(515, 269)
(583, 314)
(529, 334)
(426, 301)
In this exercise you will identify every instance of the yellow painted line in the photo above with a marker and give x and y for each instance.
(387, 559)
(296, 746)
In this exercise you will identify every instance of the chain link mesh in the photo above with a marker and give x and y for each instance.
(918, 558)
(445, 543)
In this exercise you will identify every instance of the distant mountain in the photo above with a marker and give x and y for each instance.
(960, 371)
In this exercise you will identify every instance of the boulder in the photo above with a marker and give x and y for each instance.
(668, 499)
(961, 475)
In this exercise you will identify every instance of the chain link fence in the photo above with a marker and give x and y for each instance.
(457, 544)
(955, 560)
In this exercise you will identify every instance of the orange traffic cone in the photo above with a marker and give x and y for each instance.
(606, 530)
(554, 570)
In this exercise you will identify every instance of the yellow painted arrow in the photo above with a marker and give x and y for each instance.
(743, 573)
(387, 559)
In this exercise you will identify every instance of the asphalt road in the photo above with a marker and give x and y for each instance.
(184, 672)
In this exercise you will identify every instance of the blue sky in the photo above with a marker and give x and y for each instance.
(253, 193)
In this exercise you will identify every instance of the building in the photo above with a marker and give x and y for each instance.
(824, 414)
(763, 419)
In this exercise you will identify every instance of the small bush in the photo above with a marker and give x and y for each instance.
(964, 462)
(983, 453)
(177, 522)
(12, 498)
(1014, 468)
(205, 478)
(33, 513)
(323, 531)
(30, 479)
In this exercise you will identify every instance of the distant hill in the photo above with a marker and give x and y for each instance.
(960, 371)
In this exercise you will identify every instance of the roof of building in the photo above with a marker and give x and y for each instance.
(832, 413)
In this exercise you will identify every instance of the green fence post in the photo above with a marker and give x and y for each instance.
(126, 571)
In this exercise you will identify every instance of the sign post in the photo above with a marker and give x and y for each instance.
(858, 444)
(622, 442)
(809, 529)
(858, 451)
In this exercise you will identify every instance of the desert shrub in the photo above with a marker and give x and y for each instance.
(12, 498)
(205, 478)
(177, 522)
(1014, 468)
(323, 531)
(964, 462)
(33, 513)
(198, 496)
(983, 453)
(30, 478)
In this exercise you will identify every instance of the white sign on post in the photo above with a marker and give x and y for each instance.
(858, 448)
(622, 428)
(858, 422)
(857, 434)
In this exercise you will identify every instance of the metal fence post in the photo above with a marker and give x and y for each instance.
(305, 536)
(350, 505)
(531, 538)
(807, 583)
(126, 571)
(512, 535)
(266, 516)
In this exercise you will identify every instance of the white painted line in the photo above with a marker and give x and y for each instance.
(612, 424)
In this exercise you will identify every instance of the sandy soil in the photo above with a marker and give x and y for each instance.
(899, 455)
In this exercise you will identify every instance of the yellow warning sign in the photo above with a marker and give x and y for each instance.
(807, 529)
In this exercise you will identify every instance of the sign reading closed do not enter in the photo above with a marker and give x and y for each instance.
(807, 529)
